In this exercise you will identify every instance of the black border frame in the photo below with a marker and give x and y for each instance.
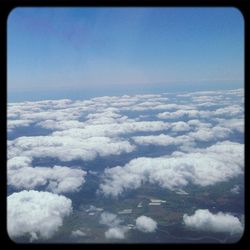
(6, 6)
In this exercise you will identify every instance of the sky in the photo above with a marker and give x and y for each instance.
(76, 53)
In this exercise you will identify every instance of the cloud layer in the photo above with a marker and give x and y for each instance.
(220, 222)
(168, 139)
(201, 167)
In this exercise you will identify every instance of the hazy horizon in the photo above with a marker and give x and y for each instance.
(59, 52)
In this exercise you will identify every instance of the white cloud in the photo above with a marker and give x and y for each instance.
(210, 134)
(68, 148)
(232, 110)
(201, 167)
(108, 116)
(78, 233)
(58, 179)
(57, 115)
(178, 114)
(235, 189)
(146, 224)
(198, 124)
(19, 162)
(233, 124)
(204, 220)
(163, 140)
(94, 209)
(36, 214)
(206, 98)
(12, 124)
(113, 129)
(116, 232)
(109, 219)
(180, 126)
(60, 125)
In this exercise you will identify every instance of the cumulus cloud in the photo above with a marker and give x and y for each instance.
(201, 167)
(204, 220)
(236, 124)
(36, 214)
(116, 229)
(78, 233)
(146, 224)
(98, 122)
(235, 189)
(58, 179)
(180, 126)
(67, 148)
(204, 98)
(113, 129)
(19, 162)
(163, 140)
(210, 134)
(178, 114)
(116, 232)
(60, 125)
(109, 219)
(109, 116)
(13, 124)
(232, 110)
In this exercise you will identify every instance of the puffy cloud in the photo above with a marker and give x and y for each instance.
(116, 232)
(19, 162)
(146, 224)
(236, 124)
(78, 233)
(180, 126)
(210, 134)
(61, 111)
(204, 220)
(232, 110)
(235, 189)
(198, 124)
(60, 125)
(158, 106)
(67, 148)
(201, 167)
(12, 124)
(114, 129)
(109, 116)
(163, 140)
(36, 214)
(50, 115)
(58, 179)
(208, 97)
(178, 114)
(82, 143)
(109, 219)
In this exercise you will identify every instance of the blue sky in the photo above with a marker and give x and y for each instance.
(84, 52)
